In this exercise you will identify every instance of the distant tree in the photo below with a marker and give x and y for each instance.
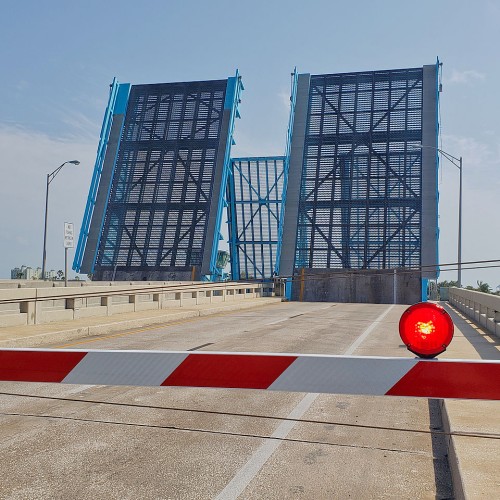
(469, 287)
(483, 287)
(77, 278)
(60, 275)
(447, 284)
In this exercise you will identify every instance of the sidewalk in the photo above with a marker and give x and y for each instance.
(47, 333)
(474, 462)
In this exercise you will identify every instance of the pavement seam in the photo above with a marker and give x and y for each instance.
(277, 439)
(81, 388)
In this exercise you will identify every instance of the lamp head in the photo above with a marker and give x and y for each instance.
(74, 162)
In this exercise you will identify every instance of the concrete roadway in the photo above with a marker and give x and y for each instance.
(213, 443)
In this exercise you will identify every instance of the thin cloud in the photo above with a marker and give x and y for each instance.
(22, 85)
(79, 125)
(465, 77)
(248, 146)
(481, 157)
(480, 225)
(284, 98)
(27, 157)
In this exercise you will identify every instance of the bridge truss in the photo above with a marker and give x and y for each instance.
(360, 204)
(255, 192)
(162, 182)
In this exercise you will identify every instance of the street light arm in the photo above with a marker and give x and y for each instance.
(454, 159)
(51, 176)
(450, 158)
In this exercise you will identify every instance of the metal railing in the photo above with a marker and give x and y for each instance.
(483, 308)
(28, 306)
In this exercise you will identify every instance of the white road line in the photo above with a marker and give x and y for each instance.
(276, 322)
(350, 350)
(79, 388)
(246, 474)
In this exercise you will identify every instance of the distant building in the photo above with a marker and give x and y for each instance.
(15, 273)
(28, 273)
(25, 273)
(50, 275)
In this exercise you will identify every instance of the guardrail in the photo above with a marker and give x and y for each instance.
(28, 306)
(483, 308)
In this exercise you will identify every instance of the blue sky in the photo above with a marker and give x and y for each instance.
(57, 59)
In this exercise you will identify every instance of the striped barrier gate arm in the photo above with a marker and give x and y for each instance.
(377, 376)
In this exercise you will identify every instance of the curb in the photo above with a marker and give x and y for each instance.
(453, 460)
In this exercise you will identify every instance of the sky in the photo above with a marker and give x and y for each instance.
(57, 59)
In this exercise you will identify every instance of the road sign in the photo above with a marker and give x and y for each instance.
(462, 379)
(69, 235)
(426, 329)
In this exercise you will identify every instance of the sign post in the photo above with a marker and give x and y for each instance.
(69, 242)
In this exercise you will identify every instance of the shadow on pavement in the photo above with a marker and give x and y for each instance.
(442, 473)
(475, 334)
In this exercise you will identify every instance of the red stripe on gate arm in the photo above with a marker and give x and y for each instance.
(32, 366)
(450, 380)
(229, 370)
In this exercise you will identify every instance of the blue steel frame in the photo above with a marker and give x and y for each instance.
(360, 203)
(232, 225)
(293, 101)
(425, 281)
(157, 215)
(232, 102)
(255, 193)
(117, 104)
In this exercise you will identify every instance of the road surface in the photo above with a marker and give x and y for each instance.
(66, 442)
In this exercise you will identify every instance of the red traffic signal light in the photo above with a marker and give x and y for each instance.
(426, 329)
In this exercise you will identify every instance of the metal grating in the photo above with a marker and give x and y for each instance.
(255, 194)
(360, 201)
(160, 196)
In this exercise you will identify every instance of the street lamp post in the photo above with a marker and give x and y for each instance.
(50, 178)
(454, 160)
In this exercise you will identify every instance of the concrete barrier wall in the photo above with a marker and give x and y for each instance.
(483, 308)
(27, 306)
(9, 284)
(373, 286)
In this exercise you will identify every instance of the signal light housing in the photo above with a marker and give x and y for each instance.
(426, 329)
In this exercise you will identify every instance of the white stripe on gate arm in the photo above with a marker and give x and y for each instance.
(124, 368)
(345, 376)
(246, 474)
